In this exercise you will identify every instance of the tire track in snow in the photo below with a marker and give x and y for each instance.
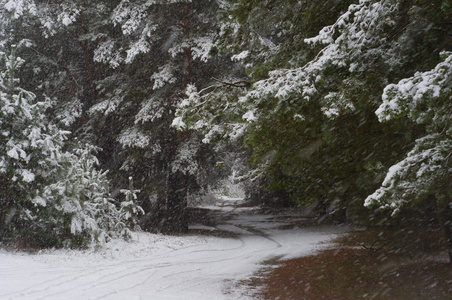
(127, 270)
(49, 284)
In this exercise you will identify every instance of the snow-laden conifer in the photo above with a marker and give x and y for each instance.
(173, 38)
(309, 115)
(355, 42)
(49, 195)
(426, 171)
(424, 98)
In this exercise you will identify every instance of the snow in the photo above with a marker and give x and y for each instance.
(28, 176)
(178, 123)
(240, 56)
(410, 95)
(153, 266)
(249, 116)
(20, 7)
(201, 47)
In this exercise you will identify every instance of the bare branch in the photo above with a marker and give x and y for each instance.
(238, 84)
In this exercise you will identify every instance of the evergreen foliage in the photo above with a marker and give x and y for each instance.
(321, 93)
(426, 171)
(49, 196)
(174, 39)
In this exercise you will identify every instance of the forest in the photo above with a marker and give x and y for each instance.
(119, 115)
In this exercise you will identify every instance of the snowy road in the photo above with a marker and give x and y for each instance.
(162, 267)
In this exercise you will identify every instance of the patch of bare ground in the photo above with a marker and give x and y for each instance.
(213, 233)
(350, 272)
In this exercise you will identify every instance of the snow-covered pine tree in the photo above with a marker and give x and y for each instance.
(63, 34)
(154, 51)
(129, 211)
(426, 170)
(49, 196)
(265, 41)
(323, 102)
(26, 143)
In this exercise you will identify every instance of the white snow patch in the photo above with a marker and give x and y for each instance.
(240, 56)
(178, 123)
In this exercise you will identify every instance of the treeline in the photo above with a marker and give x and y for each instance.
(342, 103)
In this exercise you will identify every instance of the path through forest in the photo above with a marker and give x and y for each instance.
(209, 263)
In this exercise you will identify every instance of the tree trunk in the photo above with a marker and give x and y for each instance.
(68, 74)
(87, 58)
(176, 210)
(187, 50)
(177, 220)
(444, 219)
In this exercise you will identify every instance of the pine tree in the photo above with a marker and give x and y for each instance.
(49, 196)
(156, 49)
(322, 101)
(426, 170)
(64, 35)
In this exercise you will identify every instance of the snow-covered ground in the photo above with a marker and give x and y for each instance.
(163, 267)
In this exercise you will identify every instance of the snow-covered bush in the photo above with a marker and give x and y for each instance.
(49, 196)
(78, 202)
(130, 211)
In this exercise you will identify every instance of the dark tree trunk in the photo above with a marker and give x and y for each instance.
(87, 58)
(444, 215)
(177, 186)
(177, 220)
(69, 74)
(187, 50)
